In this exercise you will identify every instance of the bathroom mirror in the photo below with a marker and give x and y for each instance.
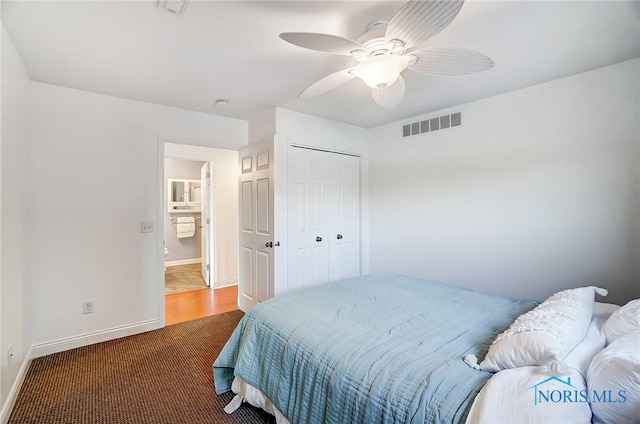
(177, 191)
(183, 195)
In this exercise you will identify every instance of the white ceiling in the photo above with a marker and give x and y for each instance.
(231, 49)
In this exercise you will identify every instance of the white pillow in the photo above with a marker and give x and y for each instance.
(544, 335)
(510, 396)
(623, 320)
(613, 380)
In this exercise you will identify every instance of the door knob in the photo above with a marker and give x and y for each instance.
(277, 244)
(318, 239)
(268, 244)
(339, 236)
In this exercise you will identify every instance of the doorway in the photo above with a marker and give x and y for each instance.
(200, 232)
(187, 261)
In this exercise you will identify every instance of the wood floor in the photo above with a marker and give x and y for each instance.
(187, 306)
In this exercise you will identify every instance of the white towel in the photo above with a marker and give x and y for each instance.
(185, 226)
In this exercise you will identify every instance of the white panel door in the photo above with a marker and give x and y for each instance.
(255, 279)
(323, 217)
(344, 231)
(307, 227)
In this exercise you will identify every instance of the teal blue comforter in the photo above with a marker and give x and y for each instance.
(373, 349)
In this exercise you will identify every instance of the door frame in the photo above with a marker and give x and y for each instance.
(168, 148)
(207, 267)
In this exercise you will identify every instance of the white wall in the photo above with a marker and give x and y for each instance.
(299, 128)
(262, 125)
(224, 183)
(189, 247)
(85, 230)
(15, 303)
(536, 192)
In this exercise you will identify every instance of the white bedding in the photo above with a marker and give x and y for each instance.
(509, 396)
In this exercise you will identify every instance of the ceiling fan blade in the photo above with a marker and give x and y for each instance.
(419, 20)
(322, 42)
(327, 83)
(450, 61)
(391, 96)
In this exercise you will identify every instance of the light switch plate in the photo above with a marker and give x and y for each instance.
(146, 227)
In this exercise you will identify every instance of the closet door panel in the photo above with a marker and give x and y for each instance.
(308, 249)
(344, 258)
(324, 224)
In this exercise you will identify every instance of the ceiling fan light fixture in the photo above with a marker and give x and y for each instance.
(391, 96)
(387, 48)
(380, 71)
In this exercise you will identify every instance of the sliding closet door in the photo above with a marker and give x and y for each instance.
(323, 217)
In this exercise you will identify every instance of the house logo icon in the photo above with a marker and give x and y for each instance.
(540, 395)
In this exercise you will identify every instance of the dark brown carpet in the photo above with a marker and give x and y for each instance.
(162, 376)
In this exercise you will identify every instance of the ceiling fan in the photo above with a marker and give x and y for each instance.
(387, 48)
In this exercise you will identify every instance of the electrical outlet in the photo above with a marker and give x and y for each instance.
(146, 227)
(87, 307)
(9, 354)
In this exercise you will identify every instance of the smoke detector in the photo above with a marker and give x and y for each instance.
(177, 7)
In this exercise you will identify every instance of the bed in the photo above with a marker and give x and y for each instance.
(371, 349)
(395, 349)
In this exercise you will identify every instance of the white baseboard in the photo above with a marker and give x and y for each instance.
(183, 262)
(7, 406)
(60, 345)
(225, 283)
